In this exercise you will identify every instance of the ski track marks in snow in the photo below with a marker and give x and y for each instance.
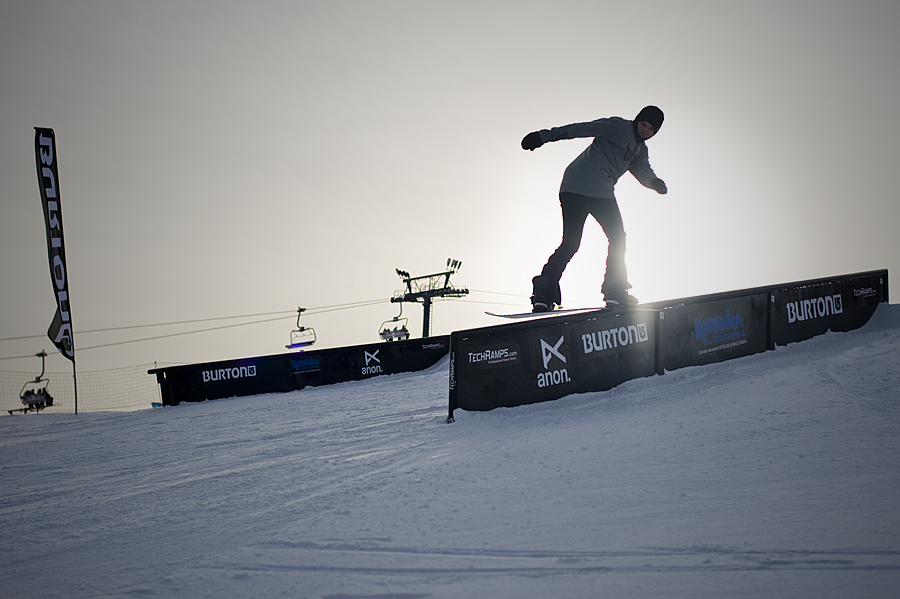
(772, 475)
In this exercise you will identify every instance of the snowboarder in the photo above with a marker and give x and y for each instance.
(587, 188)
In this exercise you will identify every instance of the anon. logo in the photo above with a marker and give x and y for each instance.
(548, 351)
(552, 377)
(373, 357)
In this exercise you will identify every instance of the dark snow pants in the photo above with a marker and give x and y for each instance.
(575, 210)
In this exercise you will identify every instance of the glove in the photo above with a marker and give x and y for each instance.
(532, 141)
(658, 184)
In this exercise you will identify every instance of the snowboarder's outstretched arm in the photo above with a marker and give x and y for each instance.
(617, 146)
(598, 128)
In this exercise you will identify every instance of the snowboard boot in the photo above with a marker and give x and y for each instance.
(619, 299)
(540, 298)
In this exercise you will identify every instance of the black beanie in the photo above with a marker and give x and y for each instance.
(652, 115)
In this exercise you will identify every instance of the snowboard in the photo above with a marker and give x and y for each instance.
(559, 312)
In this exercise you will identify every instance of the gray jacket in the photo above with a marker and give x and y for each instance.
(615, 149)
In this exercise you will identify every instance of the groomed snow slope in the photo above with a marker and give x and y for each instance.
(776, 475)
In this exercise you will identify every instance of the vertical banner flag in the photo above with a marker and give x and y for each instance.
(60, 331)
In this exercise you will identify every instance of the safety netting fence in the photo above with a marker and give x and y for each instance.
(119, 389)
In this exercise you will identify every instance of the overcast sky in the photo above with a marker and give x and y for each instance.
(232, 158)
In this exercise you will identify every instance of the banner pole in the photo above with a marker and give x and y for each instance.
(75, 385)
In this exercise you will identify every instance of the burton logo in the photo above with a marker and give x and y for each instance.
(615, 337)
(815, 308)
(225, 374)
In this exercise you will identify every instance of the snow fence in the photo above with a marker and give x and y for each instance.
(545, 358)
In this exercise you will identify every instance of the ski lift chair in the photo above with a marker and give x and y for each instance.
(301, 336)
(36, 397)
(399, 332)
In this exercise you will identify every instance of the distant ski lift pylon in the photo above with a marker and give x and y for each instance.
(301, 336)
(399, 332)
(427, 288)
(37, 397)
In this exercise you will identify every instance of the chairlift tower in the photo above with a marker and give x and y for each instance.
(424, 288)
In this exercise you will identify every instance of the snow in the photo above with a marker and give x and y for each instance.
(774, 475)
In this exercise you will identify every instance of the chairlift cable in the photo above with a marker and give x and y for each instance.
(309, 312)
(198, 320)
